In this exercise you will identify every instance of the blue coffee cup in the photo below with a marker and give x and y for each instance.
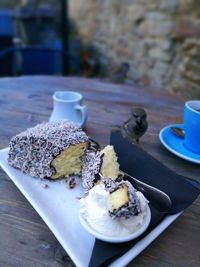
(191, 120)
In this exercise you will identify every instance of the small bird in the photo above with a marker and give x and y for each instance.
(135, 126)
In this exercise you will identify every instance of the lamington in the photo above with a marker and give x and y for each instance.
(123, 200)
(49, 150)
(96, 164)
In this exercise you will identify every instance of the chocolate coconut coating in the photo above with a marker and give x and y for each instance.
(110, 184)
(33, 150)
(132, 208)
(91, 165)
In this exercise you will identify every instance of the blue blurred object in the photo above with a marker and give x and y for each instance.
(6, 63)
(191, 120)
(74, 50)
(33, 60)
(36, 23)
(6, 37)
(6, 22)
(38, 61)
(57, 45)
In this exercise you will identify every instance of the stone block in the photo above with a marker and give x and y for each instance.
(194, 51)
(160, 68)
(135, 12)
(169, 5)
(162, 43)
(121, 46)
(156, 25)
(156, 15)
(187, 27)
(190, 43)
(189, 69)
(158, 54)
(185, 6)
(192, 75)
(193, 64)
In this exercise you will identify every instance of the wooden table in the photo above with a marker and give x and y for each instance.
(25, 240)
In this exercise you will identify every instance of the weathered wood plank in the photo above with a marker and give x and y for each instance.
(25, 240)
(173, 248)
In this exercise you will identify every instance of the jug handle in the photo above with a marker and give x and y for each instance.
(84, 114)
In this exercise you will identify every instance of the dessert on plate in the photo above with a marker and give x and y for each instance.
(117, 210)
(58, 149)
(49, 150)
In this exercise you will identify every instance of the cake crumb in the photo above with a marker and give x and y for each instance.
(72, 183)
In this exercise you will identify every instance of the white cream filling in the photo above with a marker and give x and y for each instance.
(94, 209)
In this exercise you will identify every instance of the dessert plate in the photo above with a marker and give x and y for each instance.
(175, 144)
(116, 239)
(63, 219)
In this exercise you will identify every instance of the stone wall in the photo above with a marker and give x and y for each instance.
(159, 39)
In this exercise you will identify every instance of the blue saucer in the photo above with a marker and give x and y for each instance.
(175, 144)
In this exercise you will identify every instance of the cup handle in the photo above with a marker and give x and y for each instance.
(84, 114)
